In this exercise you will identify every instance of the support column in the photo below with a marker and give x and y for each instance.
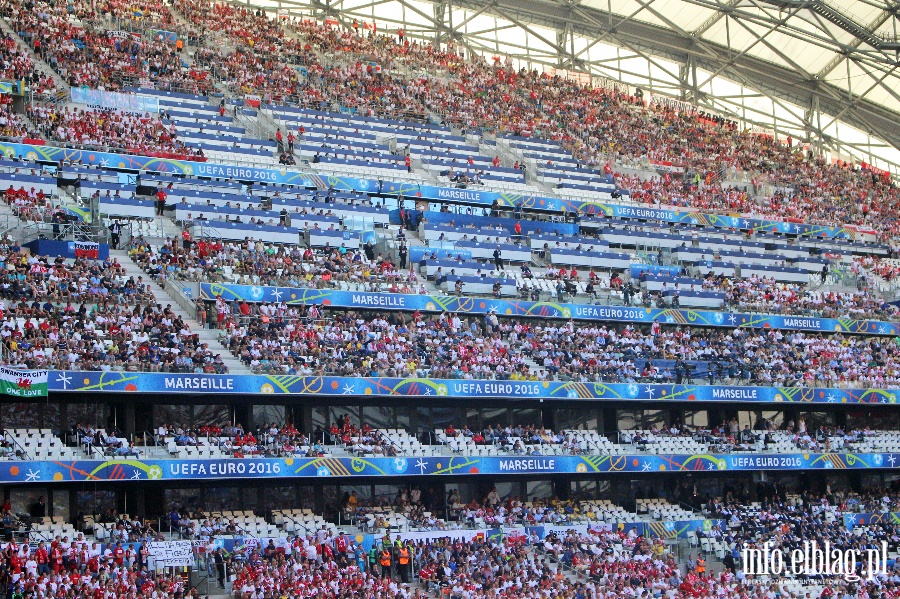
(812, 124)
(129, 423)
(441, 16)
(561, 58)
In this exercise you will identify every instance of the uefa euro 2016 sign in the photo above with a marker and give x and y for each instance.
(63, 381)
(120, 469)
(553, 310)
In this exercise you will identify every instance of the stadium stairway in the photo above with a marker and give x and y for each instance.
(209, 336)
(46, 69)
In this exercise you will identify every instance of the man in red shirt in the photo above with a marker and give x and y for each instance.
(56, 559)
(43, 559)
(118, 554)
(160, 202)
(340, 544)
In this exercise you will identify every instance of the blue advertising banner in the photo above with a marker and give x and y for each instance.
(469, 305)
(654, 269)
(329, 467)
(159, 165)
(511, 200)
(851, 521)
(680, 529)
(251, 384)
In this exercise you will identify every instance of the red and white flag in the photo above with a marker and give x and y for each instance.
(87, 249)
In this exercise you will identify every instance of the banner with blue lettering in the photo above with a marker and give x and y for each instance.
(474, 305)
(131, 469)
(251, 384)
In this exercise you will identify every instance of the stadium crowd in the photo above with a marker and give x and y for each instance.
(93, 51)
(301, 339)
(600, 126)
(87, 315)
(259, 263)
(134, 134)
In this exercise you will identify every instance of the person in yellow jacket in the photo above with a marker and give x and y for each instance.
(701, 567)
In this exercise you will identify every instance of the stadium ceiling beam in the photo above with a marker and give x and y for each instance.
(852, 103)
(773, 80)
(723, 10)
(874, 25)
(759, 39)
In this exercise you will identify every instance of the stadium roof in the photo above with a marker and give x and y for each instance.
(818, 69)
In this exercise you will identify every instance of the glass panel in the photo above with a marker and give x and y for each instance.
(541, 489)
(816, 419)
(657, 418)
(467, 491)
(837, 482)
(279, 498)
(473, 419)
(577, 419)
(870, 482)
(627, 420)
(175, 415)
(507, 490)
(319, 418)
(404, 419)
(363, 494)
(214, 415)
(330, 499)
(336, 414)
(94, 502)
(497, 416)
(184, 500)
(25, 500)
(423, 420)
(50, 415)
(696, 418)
(443, 417)
(380, 417)
(527, 417)
(87, 414)
(222, 498)
(584, 489)
(268, 414)
(306, 497)
(874, 419)
(776, 418)
(20, 415)
(745, 418)
(61, 507)
(590, 489)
